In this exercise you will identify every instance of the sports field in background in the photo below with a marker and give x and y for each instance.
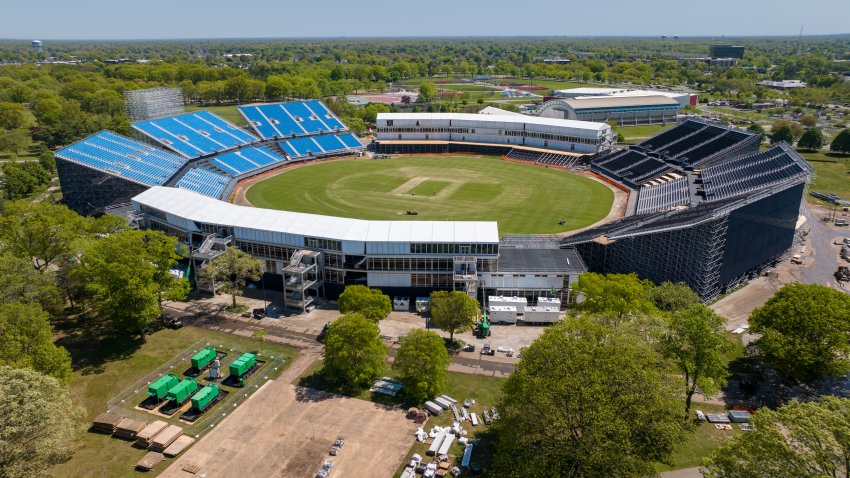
(524, 199)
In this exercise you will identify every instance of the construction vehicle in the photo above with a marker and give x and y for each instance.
(796, 259)
(482, 329)
(842, 274)
(161, 386)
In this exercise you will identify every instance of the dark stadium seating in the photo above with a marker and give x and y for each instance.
(204, 181)
(660, 197)
(297, 118)
(120, 156)
(553, 159)
(245, 160)
(195, 134)
(751, 172)
(671, 135)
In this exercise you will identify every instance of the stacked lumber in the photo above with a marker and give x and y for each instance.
(106, 423)
(128, 428)
(178, 446)
(166, 437)
(149, 461)
(144, 437)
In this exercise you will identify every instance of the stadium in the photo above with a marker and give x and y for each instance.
(524, 211)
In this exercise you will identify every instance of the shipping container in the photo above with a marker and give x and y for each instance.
(161, 387)
(180, 392)
(203, 398)
(243, 364)
(202, 358)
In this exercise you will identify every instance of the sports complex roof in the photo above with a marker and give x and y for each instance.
(592, 102)
(496, 119)
(189, 205)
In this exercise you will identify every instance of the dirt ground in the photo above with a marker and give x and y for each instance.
(284, 430)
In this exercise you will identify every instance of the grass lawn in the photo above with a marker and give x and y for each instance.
(524, 199)
(228, 112)
(103, 369)
(636, 134)
(832, 173)
(700, 443)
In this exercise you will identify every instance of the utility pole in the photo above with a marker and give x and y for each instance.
(799, 38)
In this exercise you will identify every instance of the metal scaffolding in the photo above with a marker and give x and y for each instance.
(153, 103)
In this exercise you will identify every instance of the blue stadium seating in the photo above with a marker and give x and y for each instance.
(115, 154)
(286, 120)
(245, 160)
(350, 140)
(320, 145)
(204, 181)
(195, 134)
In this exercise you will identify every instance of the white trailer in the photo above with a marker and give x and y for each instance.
(542, 315)
(549, 302)
(503, 314)
(497, 300)
(438, 441)
(447, 443)
(401, 304)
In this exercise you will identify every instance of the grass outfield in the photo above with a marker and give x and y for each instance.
(228, 112)
(524, 199)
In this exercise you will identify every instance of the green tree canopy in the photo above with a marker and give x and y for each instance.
(783, 133)
(812, 139)
(586, 400)
(673, 297)
(355, 354)
(40, 230)
(232, 270)
(26, 340)
(427, 92)
(696, 343)
(12, 115)
(128, 275)
(841, 142)
(804, 331)
(39, 423)
(19, 282)
(619, 295)
(371, 303)
(422, 364)
(453, 312)
(798, 440)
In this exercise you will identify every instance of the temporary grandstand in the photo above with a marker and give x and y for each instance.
(208, 155)
(711, 210)
(152, 103)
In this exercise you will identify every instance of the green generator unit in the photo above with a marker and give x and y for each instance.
(161, 387)
(243, 364)
(203, 398)
(203, 358)
(180, 392)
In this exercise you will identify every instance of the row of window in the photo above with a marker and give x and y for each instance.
(266, 251)
(431, 280)
(552, 137)
(438, 248)
(427, 130)
(406, 264)
(153, 212)
(319, 243)
(169, 230)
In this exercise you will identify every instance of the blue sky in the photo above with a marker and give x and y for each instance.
(163, 19)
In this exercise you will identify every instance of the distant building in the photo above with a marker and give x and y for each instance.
(721, 62)
(725, 51)
(783, 84)
(623, 105)
(37, 46)
(553, 60)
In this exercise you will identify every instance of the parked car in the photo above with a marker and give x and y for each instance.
(468, 348)
(325, 470)
(172, 322)
(486, 350)
(259, 313)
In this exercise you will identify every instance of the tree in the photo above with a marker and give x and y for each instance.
(808, 120)
(620, 295)
(354, 352)
(696, 343)
(841, 142)
(260, 334)
(19, 282)
(453, 312)
(371, 303)
(26, 340)
(12, 115)
(39, 423)
(756, 128)
(586, 400)
(40, 230)
(128, 274)
(812, 139)
(15, 141)
(804, 331)
(231, 271)
(427, 92)
(47, 161)
(799, 439)
(783, 133)
(673, 297)
(422, 363)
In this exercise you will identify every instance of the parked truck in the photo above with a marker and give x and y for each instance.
(182, 391)
(204, 397)
(203, 358)
(162, 385)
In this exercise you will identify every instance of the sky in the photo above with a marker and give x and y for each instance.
(177, 19)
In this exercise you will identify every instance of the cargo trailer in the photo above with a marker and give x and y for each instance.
(161, 387)
(549, 302)
(542, 315)
(502, 301)
(203, 358)
(503, 314)
(180, 392)
(204, 397)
